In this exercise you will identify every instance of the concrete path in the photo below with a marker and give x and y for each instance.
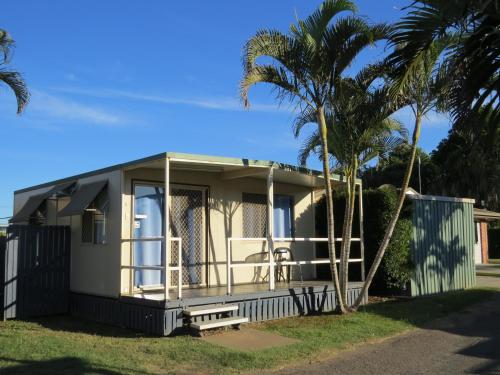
(465, 342)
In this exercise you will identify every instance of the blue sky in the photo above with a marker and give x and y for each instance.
(113, 81)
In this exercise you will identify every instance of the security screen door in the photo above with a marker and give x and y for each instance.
(187, 221)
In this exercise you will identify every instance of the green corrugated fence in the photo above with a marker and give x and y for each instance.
(443, 245)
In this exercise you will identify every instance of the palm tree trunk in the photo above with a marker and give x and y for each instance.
(346, 238)
(320, 114)
(342, 268)
(392, 224)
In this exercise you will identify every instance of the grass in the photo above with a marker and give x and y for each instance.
(68, 345)
(494, 261)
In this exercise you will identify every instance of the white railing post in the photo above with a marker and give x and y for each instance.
(166, 221)
(179, 272)
(270, 226)
(228, 266)
(132, 263)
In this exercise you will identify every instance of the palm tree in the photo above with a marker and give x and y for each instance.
(425, 86)
(470, 29)
(12, 78)
(360, 129)
(304, 66)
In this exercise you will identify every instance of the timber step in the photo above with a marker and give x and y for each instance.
(209, 309)
(221, 322)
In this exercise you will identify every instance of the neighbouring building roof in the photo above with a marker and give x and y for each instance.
(481, 214)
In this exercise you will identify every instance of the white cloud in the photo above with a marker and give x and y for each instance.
(58, 108)
(432, 119)
(217, 103)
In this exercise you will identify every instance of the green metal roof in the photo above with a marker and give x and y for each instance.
(215, 160)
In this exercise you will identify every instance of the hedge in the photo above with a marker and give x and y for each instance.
(378, 204)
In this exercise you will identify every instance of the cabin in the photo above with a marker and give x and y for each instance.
(180, 240)
(482, 218)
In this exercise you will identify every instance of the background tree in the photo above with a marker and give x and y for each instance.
(11, 78)
(303, 66)
(468, 160)
(391, 170)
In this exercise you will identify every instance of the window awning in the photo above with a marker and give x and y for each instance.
(83, 197)
(35, 201)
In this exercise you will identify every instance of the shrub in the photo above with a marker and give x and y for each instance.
(396, 268)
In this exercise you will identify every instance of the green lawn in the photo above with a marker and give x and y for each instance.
(64, 344)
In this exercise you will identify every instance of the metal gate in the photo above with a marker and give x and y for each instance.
(37, 264)
(3, 244)
(187, 212)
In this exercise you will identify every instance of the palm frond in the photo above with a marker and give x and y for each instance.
(17, 84)
(311, 145)
(6, 45)
(308, 116)
(316, 23)
(286, 86)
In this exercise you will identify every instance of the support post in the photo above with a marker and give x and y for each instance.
(228, 266)
(166, 229)
(361, 236)
(361, 233)
(270, 227)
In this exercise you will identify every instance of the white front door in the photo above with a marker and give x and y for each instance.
(187, 221)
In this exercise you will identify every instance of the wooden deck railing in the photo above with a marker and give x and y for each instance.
(272, 262)
(166, 268)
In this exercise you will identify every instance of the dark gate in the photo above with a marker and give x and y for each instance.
(37, 261)
(3, 243)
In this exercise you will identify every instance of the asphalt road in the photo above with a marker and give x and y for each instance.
(467, 342)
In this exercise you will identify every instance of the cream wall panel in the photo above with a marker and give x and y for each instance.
(225, 216)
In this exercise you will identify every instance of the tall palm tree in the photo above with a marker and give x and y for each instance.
(424, 88)
(12, 78)
(360, 129)
(303, 67)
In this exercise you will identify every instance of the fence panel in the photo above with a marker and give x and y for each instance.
(37, 262)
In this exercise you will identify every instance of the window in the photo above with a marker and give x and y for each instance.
(255, 215)
(94, 220)
(39, 217)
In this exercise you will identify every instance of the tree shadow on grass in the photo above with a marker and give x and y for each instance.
(65, 365)
(67, 323)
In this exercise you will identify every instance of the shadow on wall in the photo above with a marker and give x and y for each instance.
(228, 209)
(443, 238)
(310, 250)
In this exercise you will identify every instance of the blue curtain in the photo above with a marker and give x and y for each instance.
(148, 222)
(283, 216)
